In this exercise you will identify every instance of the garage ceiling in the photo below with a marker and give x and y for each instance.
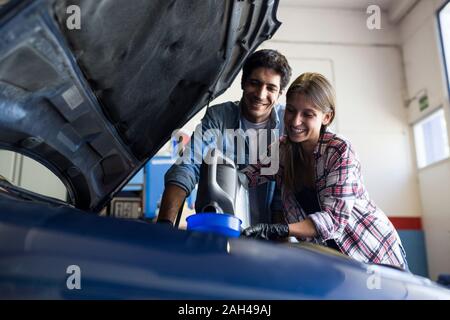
(396, 9)
(344, 4)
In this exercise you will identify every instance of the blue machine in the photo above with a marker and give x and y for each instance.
(154, 172)
(136, 183)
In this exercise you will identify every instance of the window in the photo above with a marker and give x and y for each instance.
(430, 135)
(444, 24)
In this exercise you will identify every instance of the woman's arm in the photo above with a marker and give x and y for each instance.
(280, 231)
(303, 229)
(342, 186)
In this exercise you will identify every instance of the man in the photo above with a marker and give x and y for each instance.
(265, 75)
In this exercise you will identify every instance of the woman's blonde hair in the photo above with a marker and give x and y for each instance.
(320, 93)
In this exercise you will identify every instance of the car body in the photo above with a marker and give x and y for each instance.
(93, 105)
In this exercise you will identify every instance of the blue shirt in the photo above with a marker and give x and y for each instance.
(222, 117)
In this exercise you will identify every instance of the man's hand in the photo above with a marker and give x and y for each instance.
(267, 231)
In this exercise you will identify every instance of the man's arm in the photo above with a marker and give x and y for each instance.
(171, 202)
(181, 179)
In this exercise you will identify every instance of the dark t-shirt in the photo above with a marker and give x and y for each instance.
(308, 200)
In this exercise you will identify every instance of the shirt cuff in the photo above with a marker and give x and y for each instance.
(323, 223)
(178, 184)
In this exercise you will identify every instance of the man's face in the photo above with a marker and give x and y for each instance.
(261, 89)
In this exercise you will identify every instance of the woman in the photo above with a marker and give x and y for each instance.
(323, 195)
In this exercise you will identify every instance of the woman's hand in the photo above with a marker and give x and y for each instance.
(267, 231)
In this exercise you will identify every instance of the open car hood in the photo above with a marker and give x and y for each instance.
(94, 104)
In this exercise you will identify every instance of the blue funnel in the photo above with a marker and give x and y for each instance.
(222, 223)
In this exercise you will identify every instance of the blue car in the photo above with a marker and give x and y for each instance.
(92, 90)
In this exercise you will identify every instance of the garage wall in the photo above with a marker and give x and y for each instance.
(31, 175)
(6, 164)
(420, 43)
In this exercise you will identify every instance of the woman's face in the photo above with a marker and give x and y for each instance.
(303, 120)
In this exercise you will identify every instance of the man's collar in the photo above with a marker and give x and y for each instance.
(274, 118)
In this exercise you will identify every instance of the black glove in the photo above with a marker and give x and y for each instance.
(267, 231)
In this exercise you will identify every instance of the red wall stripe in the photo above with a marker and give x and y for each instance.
(406, 223)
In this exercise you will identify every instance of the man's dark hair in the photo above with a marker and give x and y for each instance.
(270, 59)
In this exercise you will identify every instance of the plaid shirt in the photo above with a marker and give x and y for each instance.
(360, 229)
